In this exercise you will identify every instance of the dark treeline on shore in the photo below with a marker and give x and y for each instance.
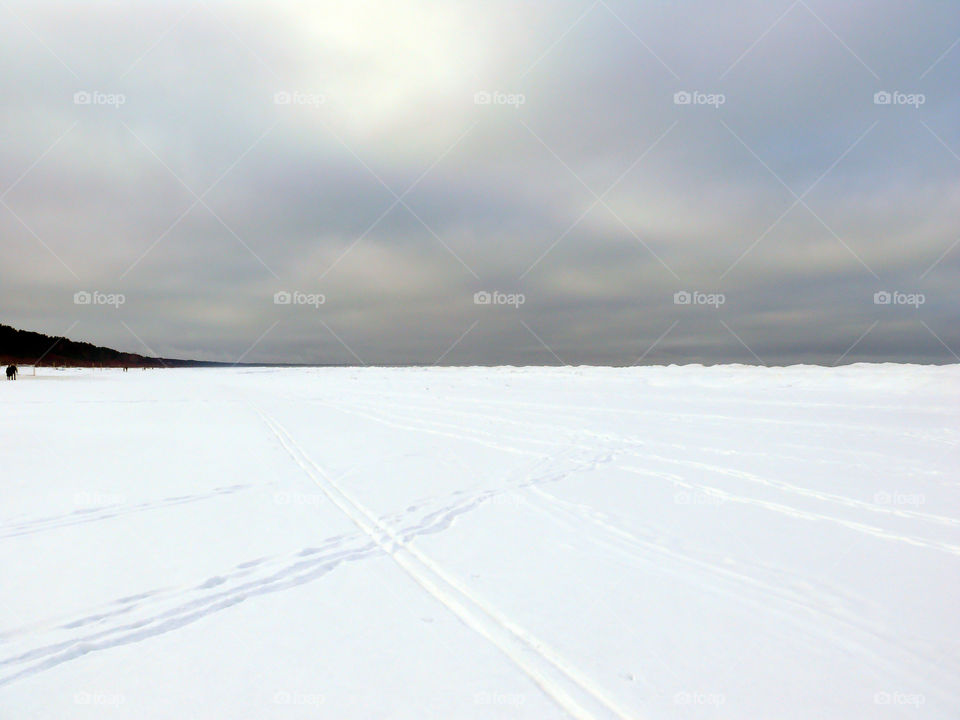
(28, 348)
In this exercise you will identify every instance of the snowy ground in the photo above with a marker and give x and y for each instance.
(472, 543)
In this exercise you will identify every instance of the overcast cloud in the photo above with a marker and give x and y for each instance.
(393, 159)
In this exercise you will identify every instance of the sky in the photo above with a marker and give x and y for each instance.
(407, 182)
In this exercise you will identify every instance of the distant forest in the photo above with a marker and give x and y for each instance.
(22, 347)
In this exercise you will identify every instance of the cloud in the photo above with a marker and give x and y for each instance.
(399, 157)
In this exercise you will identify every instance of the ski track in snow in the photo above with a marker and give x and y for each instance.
(105, 512)
(745, 584)
(109, 627)
(551, 445)
(620, 440)
(554, 674)
(192, 602)
(677, 479)
(404, 421)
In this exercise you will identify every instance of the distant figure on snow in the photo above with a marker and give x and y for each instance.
(12, 372)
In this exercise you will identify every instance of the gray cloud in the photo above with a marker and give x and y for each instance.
(302, 195)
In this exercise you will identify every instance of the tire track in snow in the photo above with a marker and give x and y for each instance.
(565, 684)
(682, 416)
(572, 515)
(422, 429)
(555, 412)
(777, 507)
(795, 512)
(807, 492)
(739, 474)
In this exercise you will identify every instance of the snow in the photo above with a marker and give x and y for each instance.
(659, 542)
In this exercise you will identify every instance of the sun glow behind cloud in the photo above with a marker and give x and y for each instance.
(428, 151)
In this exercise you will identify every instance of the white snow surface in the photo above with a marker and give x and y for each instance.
(657, 542)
